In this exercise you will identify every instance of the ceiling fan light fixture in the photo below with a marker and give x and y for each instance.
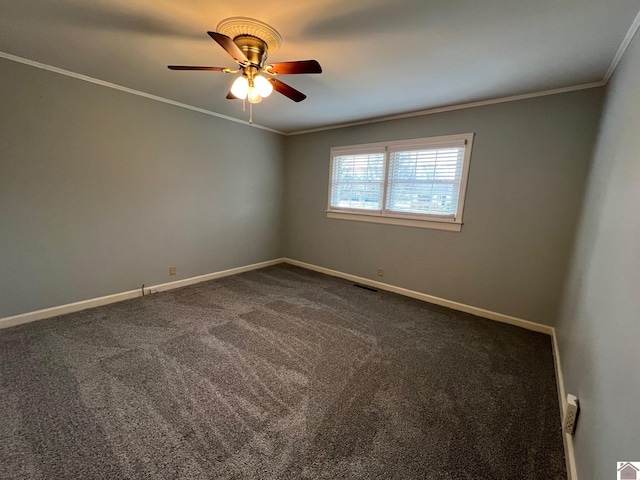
(248, 42)
(263, 86)
(240, 87)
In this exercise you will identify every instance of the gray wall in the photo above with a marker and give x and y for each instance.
(599, 331)
(528, 169)
(101, 191)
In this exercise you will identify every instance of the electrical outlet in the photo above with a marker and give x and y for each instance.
(380, 272)
(571, 415)
(172, 270)
(153, 290)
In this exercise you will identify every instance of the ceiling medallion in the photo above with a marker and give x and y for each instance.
(238, 26)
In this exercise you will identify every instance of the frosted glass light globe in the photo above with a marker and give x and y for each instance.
(263, 85)
(254, 96)
(240, 88)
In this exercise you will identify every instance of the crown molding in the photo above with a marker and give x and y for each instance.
(614, 63)
(635, 25)
(115, 86)
(419, 113)
(623, 47)
(451, 108)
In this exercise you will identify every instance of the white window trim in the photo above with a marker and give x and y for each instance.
(449, 223)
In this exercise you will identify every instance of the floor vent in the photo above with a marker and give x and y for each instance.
(371, 289)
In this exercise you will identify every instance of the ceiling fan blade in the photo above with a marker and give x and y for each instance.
(231, 48)
(210, 69)
(231, 96)
(287, 91)
(290, 68)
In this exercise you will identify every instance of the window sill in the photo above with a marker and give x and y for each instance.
(405, 222)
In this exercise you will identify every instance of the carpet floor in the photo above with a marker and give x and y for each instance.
(277, 373)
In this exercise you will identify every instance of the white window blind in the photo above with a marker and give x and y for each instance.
(425, 180)
(418, 182)
(357, 180)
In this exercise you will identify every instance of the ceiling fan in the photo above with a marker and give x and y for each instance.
(248, 42)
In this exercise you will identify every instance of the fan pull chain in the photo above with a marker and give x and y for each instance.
(251, 113)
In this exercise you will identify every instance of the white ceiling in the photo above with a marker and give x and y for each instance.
(380, 57)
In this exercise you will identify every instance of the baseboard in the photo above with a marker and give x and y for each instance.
(118, 297)
(480, 312)
(499, 317)
(567, 439)
(212, 276)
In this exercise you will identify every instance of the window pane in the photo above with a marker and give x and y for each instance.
(425, 181)
(357, 195)
(357, 181)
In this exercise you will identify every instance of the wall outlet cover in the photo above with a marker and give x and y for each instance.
(571, 415)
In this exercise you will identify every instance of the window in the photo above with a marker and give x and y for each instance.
(418, 183)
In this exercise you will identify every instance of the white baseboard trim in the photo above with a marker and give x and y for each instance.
(212, 276)
(567, 439)
(536, 327)
(118, 297)
(480, 312)
(499, 317)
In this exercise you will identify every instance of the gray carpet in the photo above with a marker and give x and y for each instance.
(279, 373)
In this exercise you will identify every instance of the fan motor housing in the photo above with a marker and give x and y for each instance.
(254, 48)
